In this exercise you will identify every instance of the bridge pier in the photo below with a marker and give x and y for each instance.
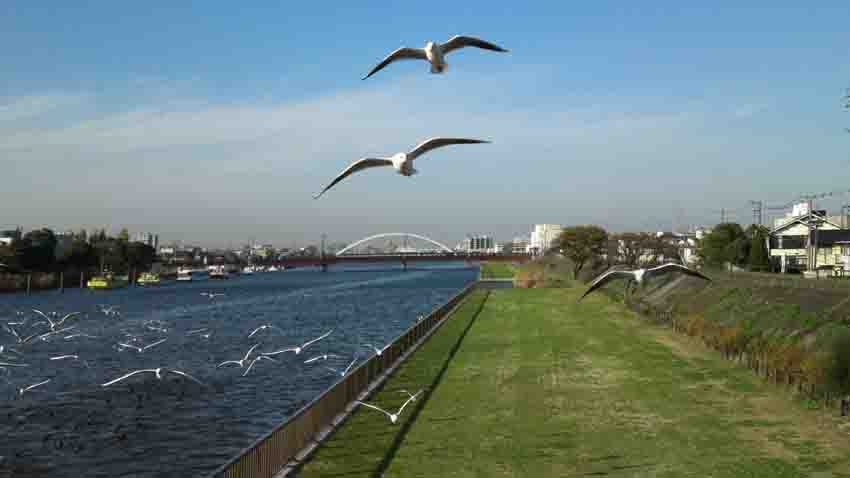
(403, 263)
(324, 266)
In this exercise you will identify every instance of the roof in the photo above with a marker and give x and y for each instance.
(803, 219)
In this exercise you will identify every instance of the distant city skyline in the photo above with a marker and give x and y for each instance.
(215, 123)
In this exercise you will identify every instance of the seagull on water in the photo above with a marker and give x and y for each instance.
(264, 327)
(641, 275)
(435, 53)
(23, 390)
(140, 349)
(257, 359)
(402, 162)
(298, 349)
(321, 357)
(241, 362)
(157, 371)
(342, 374)
(53, 324)
(378, 351)
(393, 416)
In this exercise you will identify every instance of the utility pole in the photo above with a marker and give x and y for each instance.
(757, 212)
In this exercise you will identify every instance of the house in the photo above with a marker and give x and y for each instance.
(808, 240)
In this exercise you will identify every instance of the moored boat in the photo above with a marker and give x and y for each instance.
(148, 278)
(184, 275)
(107, 281)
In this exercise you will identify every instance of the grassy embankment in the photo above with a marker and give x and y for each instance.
(497, 270)
(543, 386)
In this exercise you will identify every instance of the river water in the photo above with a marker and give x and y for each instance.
(143, 426)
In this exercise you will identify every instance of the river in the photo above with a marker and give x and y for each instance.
(145, 427)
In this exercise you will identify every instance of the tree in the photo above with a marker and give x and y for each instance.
(124, 235)
(726, 243)
(758, 258)
(140, 255)
(37, 250)
(582, 244)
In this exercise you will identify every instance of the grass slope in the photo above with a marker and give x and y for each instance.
(497, 270)
(542, 386)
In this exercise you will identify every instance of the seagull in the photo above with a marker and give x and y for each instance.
(79, 334)
(241, 363)
(378, 351)
(8, 364)
(393, 416)
(44, 337)
(157, 371)
(321, 357)
(264, 327)
(435, 53)
(342, 374)
(640, 275)
(141, 349)
(212, 295)
(53, 324)
(22, 390)
(18, 338)
(402, 162)
(298, 350)
(257, 359)
(63, 357)
(109, 310)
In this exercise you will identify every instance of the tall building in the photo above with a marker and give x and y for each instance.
(479, 244)
(542, 237)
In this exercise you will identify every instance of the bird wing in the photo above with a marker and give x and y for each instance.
(121, 344)
(72, 314)
(606, 278)
(460, 41)
(354, 167)
(402, 53)
(229, 361)
(251, 365)
(127, 376)
(411, 399)
(187, 376)
(155, 343)
(44, 315)
(250, 350)
(291, 349)
(435, 143)
(671, 267)
(317, 339)
(375, 408)
(35, 385)
(349, 366)
(311, 360)
(255, 331)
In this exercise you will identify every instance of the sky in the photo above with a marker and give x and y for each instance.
(215, 123)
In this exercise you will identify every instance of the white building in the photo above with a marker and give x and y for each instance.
(542, 237)
(479, 244)
(520, 245)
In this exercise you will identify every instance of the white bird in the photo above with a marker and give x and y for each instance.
(18, 338)
(157, 371)
(109, 310)
(342, 374)
(64, 357)
(213, 295)
(640, 275)
(321, 357)
(402, 162)
(241, 362)
(44, 337)
(141, 349)
(378, 351)
(393, 416)
(298, 350)
(264, 327)
(23, 390)
(257, 359)
(7, 364)
(53, 324)
(435, 53)
(79, 334)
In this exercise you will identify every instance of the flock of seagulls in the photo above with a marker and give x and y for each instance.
(435, 54)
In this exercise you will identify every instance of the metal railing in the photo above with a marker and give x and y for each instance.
(270, 454)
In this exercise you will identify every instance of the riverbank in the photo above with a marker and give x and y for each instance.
(541, 385)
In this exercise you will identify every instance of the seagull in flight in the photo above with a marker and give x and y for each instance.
(141, 349)
(213, 295)
(64, 357)
(298, 350)
(18, 338)
(53, 324)
(109, 310)
(342, 374)
(23, 390)
(640, 275)
(402, 162)
(378, 351)
(264, 327)
(157, 371)
(393, 416)
(241, 362)
(435, 53)
(321, 357)
(257, 359)
(8, 364)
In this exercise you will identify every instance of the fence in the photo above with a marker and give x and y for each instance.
(273, 452)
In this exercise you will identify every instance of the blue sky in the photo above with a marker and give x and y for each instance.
(215, 122)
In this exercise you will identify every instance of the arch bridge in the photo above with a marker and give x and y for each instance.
(405, 235)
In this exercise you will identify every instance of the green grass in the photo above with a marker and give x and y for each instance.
(497, 270)
(541, 386)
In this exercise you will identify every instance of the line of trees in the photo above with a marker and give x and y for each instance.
(729, 243)
(42, 250)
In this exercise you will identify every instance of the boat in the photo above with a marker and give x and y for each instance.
(148, 278)
(184, 275)
(107, 281)
(272, 269)
(248, 270)
(219, 272)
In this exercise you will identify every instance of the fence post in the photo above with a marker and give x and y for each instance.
(29, 282)
(62, 282)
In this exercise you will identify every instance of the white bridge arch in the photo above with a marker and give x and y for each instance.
(393, 234)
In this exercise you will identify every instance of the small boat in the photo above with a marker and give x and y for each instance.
(219, 272)
(272, 269)
(107, 281)
(184, 275)
(248, 270)
(148, 278)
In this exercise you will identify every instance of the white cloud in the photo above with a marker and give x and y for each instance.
(26, 107)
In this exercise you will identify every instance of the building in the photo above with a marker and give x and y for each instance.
(543, 236)
(479, 244)
(520, 245)
(147, 238)
(807, 240)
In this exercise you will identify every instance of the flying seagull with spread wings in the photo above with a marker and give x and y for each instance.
(402, 162)
(640, 275)
(435, 53)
